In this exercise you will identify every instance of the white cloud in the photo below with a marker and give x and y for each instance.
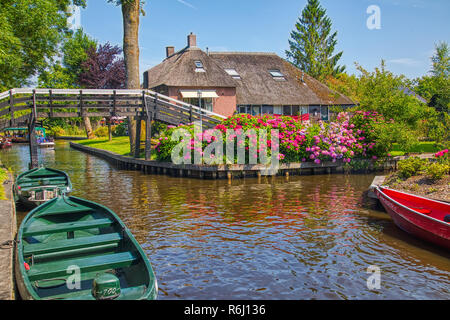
(187, 4)
(405, 61)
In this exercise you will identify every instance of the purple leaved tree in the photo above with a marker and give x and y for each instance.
(104, 69)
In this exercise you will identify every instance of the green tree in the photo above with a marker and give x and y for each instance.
(66, 72)
(381, 91)
(436, 86)
(30, 31)
(312, 44)
(441, 60)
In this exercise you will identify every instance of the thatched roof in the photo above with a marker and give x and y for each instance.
(178, 70)
(257, 86)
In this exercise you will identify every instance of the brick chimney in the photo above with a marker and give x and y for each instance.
(170, 51)
(192, 40)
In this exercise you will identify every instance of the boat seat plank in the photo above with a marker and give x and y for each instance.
(70, 244)
(55, 269)
(66, 227)
(125, 293)
(36, 183)
(53, 256)
(55, 177)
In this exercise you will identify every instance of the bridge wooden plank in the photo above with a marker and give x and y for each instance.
(4, 104)
(18, 100)
(4, 112)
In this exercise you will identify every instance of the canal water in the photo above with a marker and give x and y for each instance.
(308, 237)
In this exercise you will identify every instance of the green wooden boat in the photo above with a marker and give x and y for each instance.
(75, 249)
(37, 186)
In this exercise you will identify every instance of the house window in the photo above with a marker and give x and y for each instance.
(314, 112)
(233, 73)
(207, 103)
(277, 75)
(199, 66)
(266, 109)
(242, 109)
(295, 110)
(287, 110)
(256, 110)
(278, 110)
(249, 109)
(304, 110)
(324, 113)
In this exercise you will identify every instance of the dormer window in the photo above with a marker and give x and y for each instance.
(199, 66)
(233, 73)
(277, 75)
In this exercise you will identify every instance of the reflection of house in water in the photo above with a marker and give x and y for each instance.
(241, 82)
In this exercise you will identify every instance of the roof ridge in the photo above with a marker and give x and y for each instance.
(247, 53)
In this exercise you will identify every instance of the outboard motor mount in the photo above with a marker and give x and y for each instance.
(106, 286)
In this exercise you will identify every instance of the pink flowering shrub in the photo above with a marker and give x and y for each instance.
(343, 140)
(443, 157)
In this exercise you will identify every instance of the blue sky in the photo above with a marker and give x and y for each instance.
(409, 28)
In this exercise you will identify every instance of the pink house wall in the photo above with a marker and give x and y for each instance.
(225, 104)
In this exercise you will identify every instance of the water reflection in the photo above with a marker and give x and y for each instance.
(310, 237)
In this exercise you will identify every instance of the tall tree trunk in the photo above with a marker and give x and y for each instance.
(130, 13)
(88, 128)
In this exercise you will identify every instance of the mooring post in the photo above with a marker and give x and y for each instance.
(34, 161)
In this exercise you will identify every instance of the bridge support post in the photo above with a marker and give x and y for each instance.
(148, 127)
(137, 149)
(11, 107)
(148, 137)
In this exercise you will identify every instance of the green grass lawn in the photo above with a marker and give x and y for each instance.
(422, 147)
(119, 145)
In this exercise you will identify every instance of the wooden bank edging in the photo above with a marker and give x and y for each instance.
(70, 138)
(8, 230)
(377, 181)
(230, 171)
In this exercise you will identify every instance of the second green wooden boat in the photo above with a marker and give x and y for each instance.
(71, 248)
(37, 186)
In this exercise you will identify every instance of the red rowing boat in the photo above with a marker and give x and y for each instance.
(424, 218)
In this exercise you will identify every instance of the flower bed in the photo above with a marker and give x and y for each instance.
(349, 137)
(423, 177)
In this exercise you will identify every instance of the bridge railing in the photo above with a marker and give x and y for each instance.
(17, 104)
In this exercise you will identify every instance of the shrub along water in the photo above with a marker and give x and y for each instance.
(415, 166)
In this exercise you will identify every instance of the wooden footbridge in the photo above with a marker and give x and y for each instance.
(24, 107)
